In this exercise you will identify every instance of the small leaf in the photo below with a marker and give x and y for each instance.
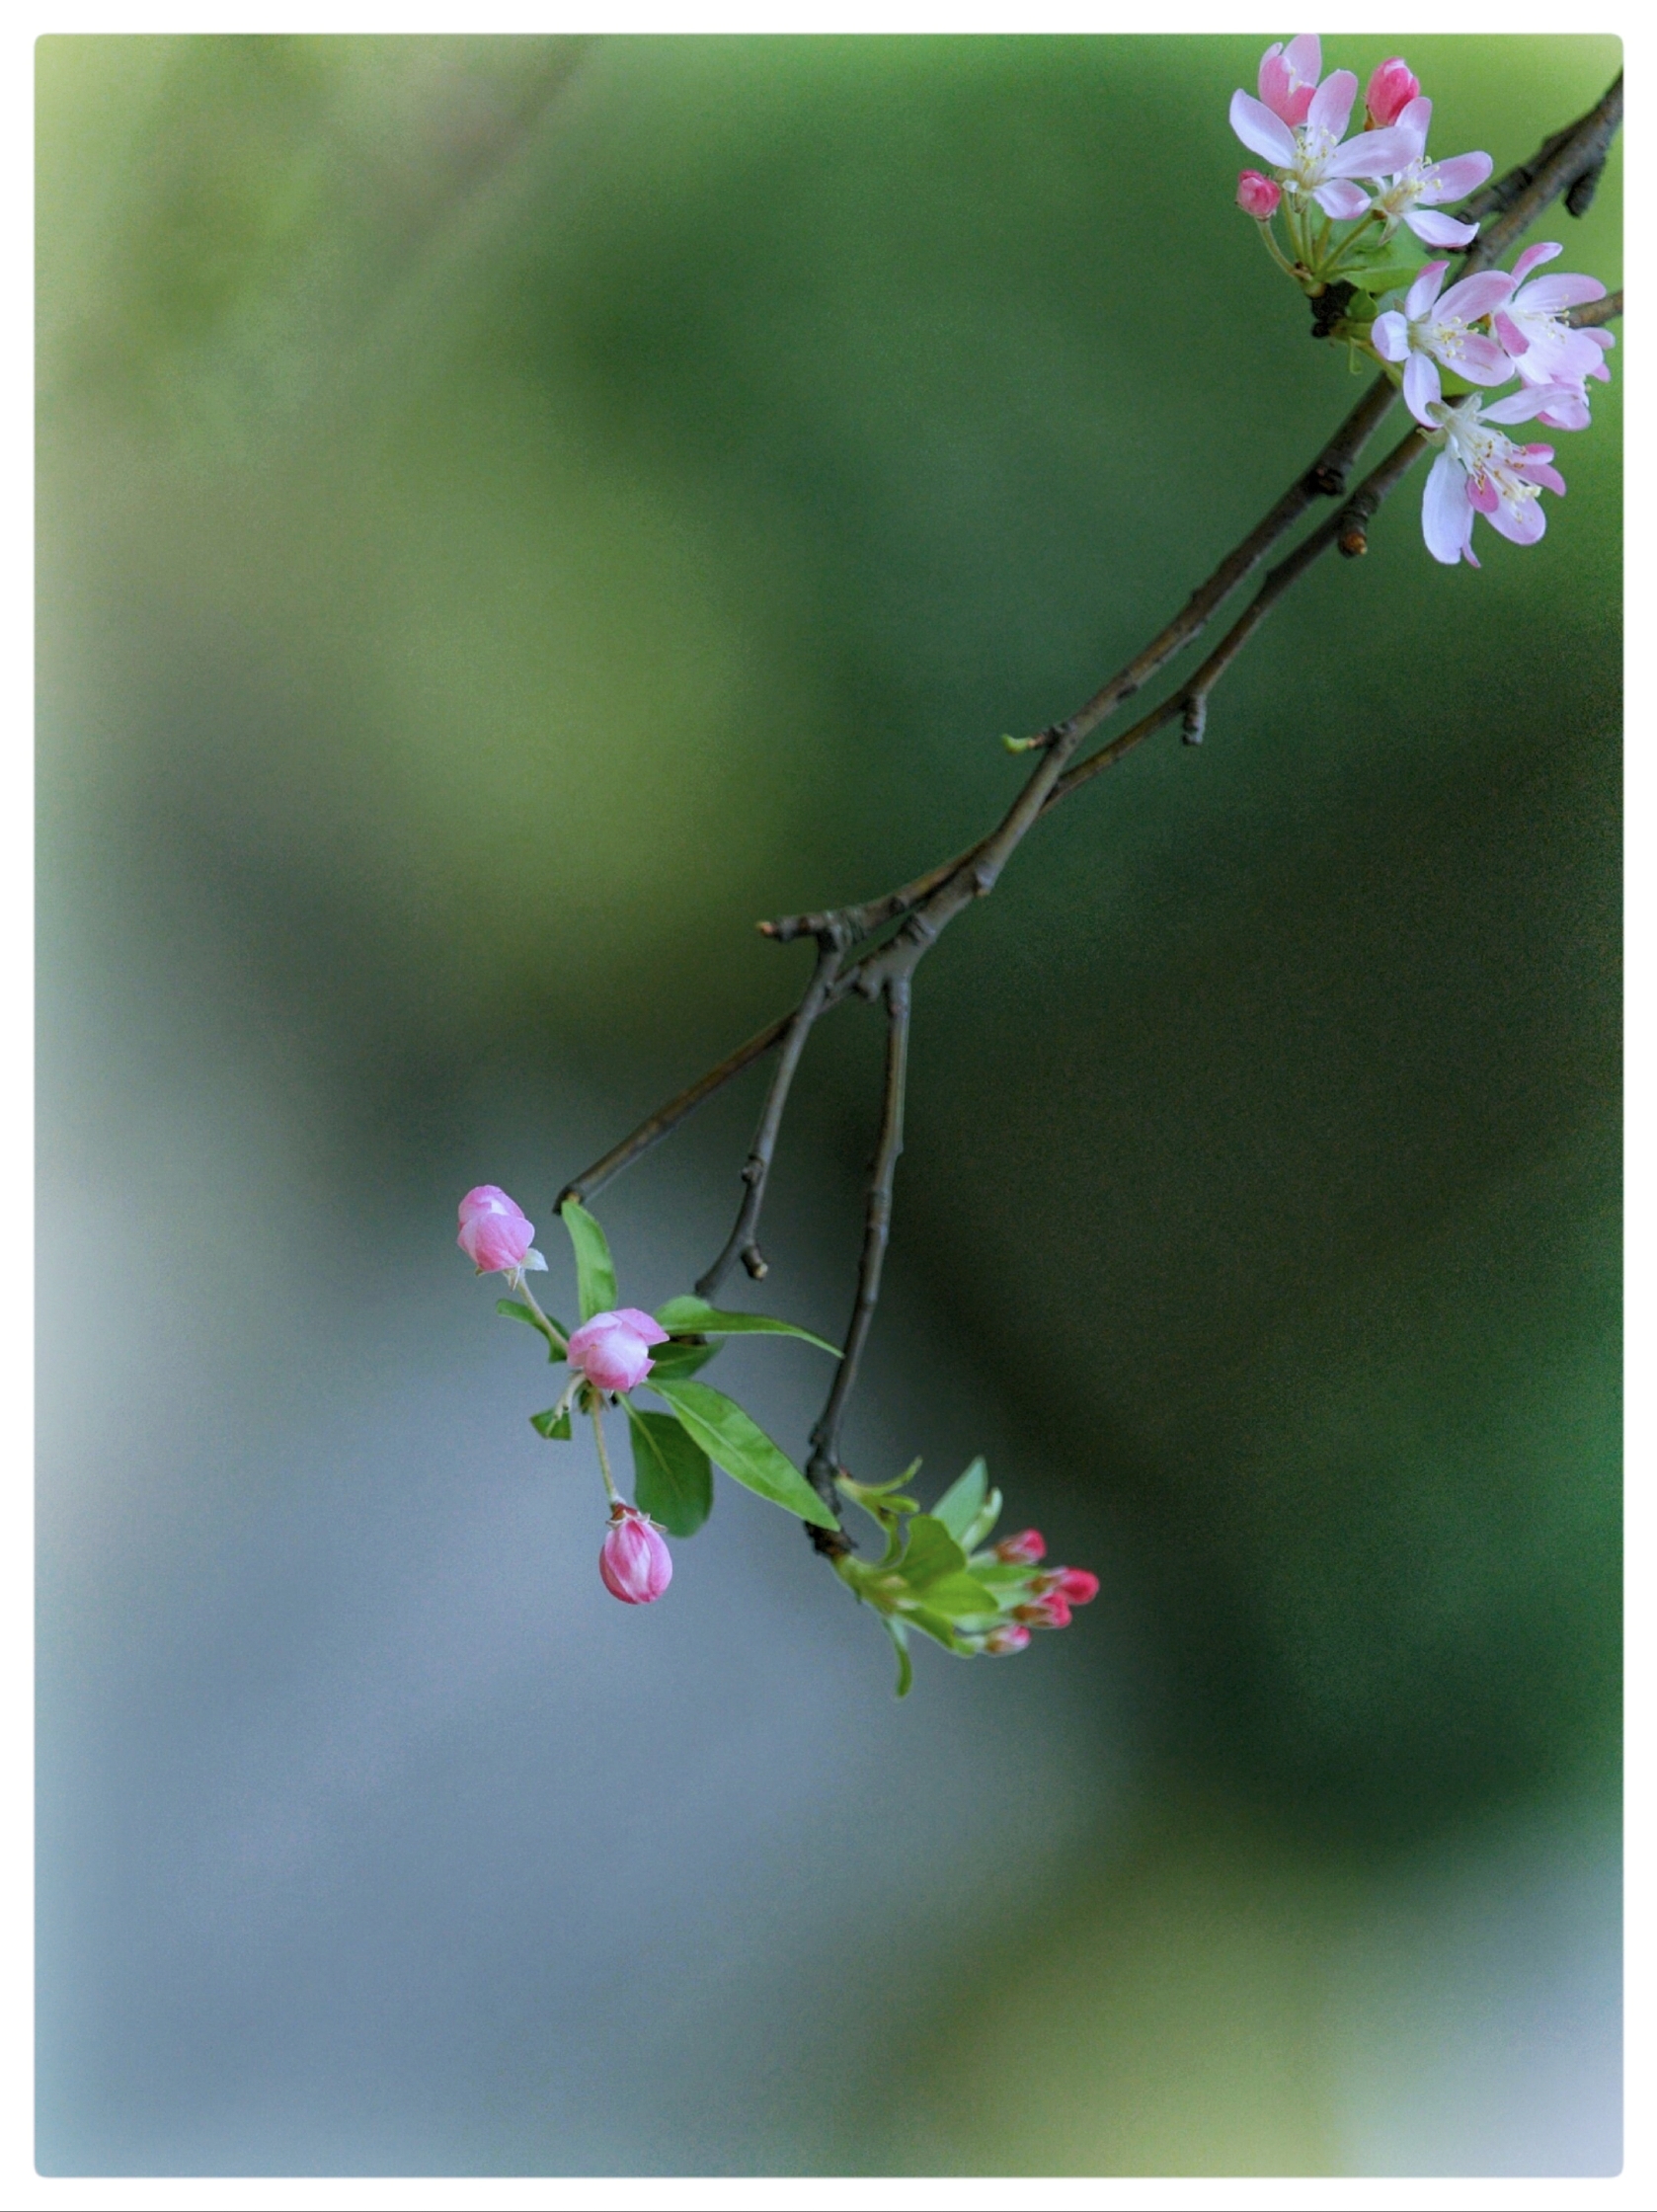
(511, 1310)
(672, 1480)
(989, 1515)
(696, 1316)
(959, 1598)
(961, 1503)
(932, 1553)
(552, 1424)
(594, 1269)
(678, 1359)
(906, 1666)
(735, 1441)
(935, 1624)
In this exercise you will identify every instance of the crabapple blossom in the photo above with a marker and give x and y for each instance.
(1314, 164)
(1430, 331)
(1257, 196)
(1414, 186)
(1010, 1637)
(1481, 471)
(494, 1234)
(1026, 1549)
(1390, 91)
(635, 1564)
(1543, 347)
(1288, 77)
(613, 1350)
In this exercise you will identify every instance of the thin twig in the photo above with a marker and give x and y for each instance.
(757, 1167)
(824, 1464)
(1593, 312)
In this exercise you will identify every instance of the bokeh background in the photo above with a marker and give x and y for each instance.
(513, 511)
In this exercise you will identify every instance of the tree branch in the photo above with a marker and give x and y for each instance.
(1567, 165)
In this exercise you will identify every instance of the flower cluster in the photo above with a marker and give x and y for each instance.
(932, 1578)
(1354, 253)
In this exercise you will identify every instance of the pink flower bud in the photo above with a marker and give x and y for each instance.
(635, 1564)
(1023, 1549)
(1392, 89)
(494, 1234)
(1257, 196)
(1002, 1643)
(1049, 1611)
(613, 1350)
(1076, 1585)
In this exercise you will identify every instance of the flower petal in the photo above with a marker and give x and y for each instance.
(1422, 387)
(1343, 200)
(1510, 335)
(1415, 119)
(1519, 407)
(1548, 295)
(1447, 521)
(1261, 131)
(1455, 178)
(1520, 520)
(1331, 103)
(1390, 336)
(1304, 56)
(1440, 230)
(1540, 472)
(1530, 257)
(1423, 292)
(1482, 360)
(1475, 296)
(1373, 153)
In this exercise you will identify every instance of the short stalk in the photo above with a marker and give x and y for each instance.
(547, 1326)
(615, 1496)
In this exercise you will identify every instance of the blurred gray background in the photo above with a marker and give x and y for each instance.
(513, 511)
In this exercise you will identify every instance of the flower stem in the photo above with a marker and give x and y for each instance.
(548, 1328)
(603, 1455)
(1269, 240)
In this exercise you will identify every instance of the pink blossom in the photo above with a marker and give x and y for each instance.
(1050, 1612)
(1012, 1637)
(1022, 1550)
(635, 1563)
(1415, 184)
(1288, 77)
(1544, 349)
(1431, 330)
(1257, 196)
(1310, 157)
(613, 1350)
(494, 1234)
(1391, 90)
(1483, 472)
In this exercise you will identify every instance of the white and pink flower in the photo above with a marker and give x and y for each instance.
(1430, 331)
(1308, 153)
(613, 1350)
(1288, 77)
(1481, 471)
(1415, 186)
(635, 1564)
(1544, 349)
(494, 1234)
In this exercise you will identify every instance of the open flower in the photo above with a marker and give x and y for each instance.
(635, 1564)
(1313, 163)
(613, 1350)
(494, 1234)
(1415, 186)
(1544, 349)
(1430, 331)
(1483, 472)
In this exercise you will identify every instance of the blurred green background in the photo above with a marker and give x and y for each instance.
(513, 510)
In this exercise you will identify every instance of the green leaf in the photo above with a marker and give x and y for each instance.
(676, 1360)
(511, 1310)
(901, 1645)
(959, 1598)
(932, 1554)
(552, 1424)
(696, 1316)
(672, 1480)
(594, 1269)
(935, 1624)
(989, 1515)
(961, 1503)
(737, 1444)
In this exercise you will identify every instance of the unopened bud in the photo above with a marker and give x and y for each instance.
(1026, 1549)
(635, 1564)
(1050, 1611)
(1002, 1643)
(1257, 196)
(1076, 1585)
(1392, 89)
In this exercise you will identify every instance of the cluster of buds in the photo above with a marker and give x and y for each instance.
(1372, 287)
(1042, 1599)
